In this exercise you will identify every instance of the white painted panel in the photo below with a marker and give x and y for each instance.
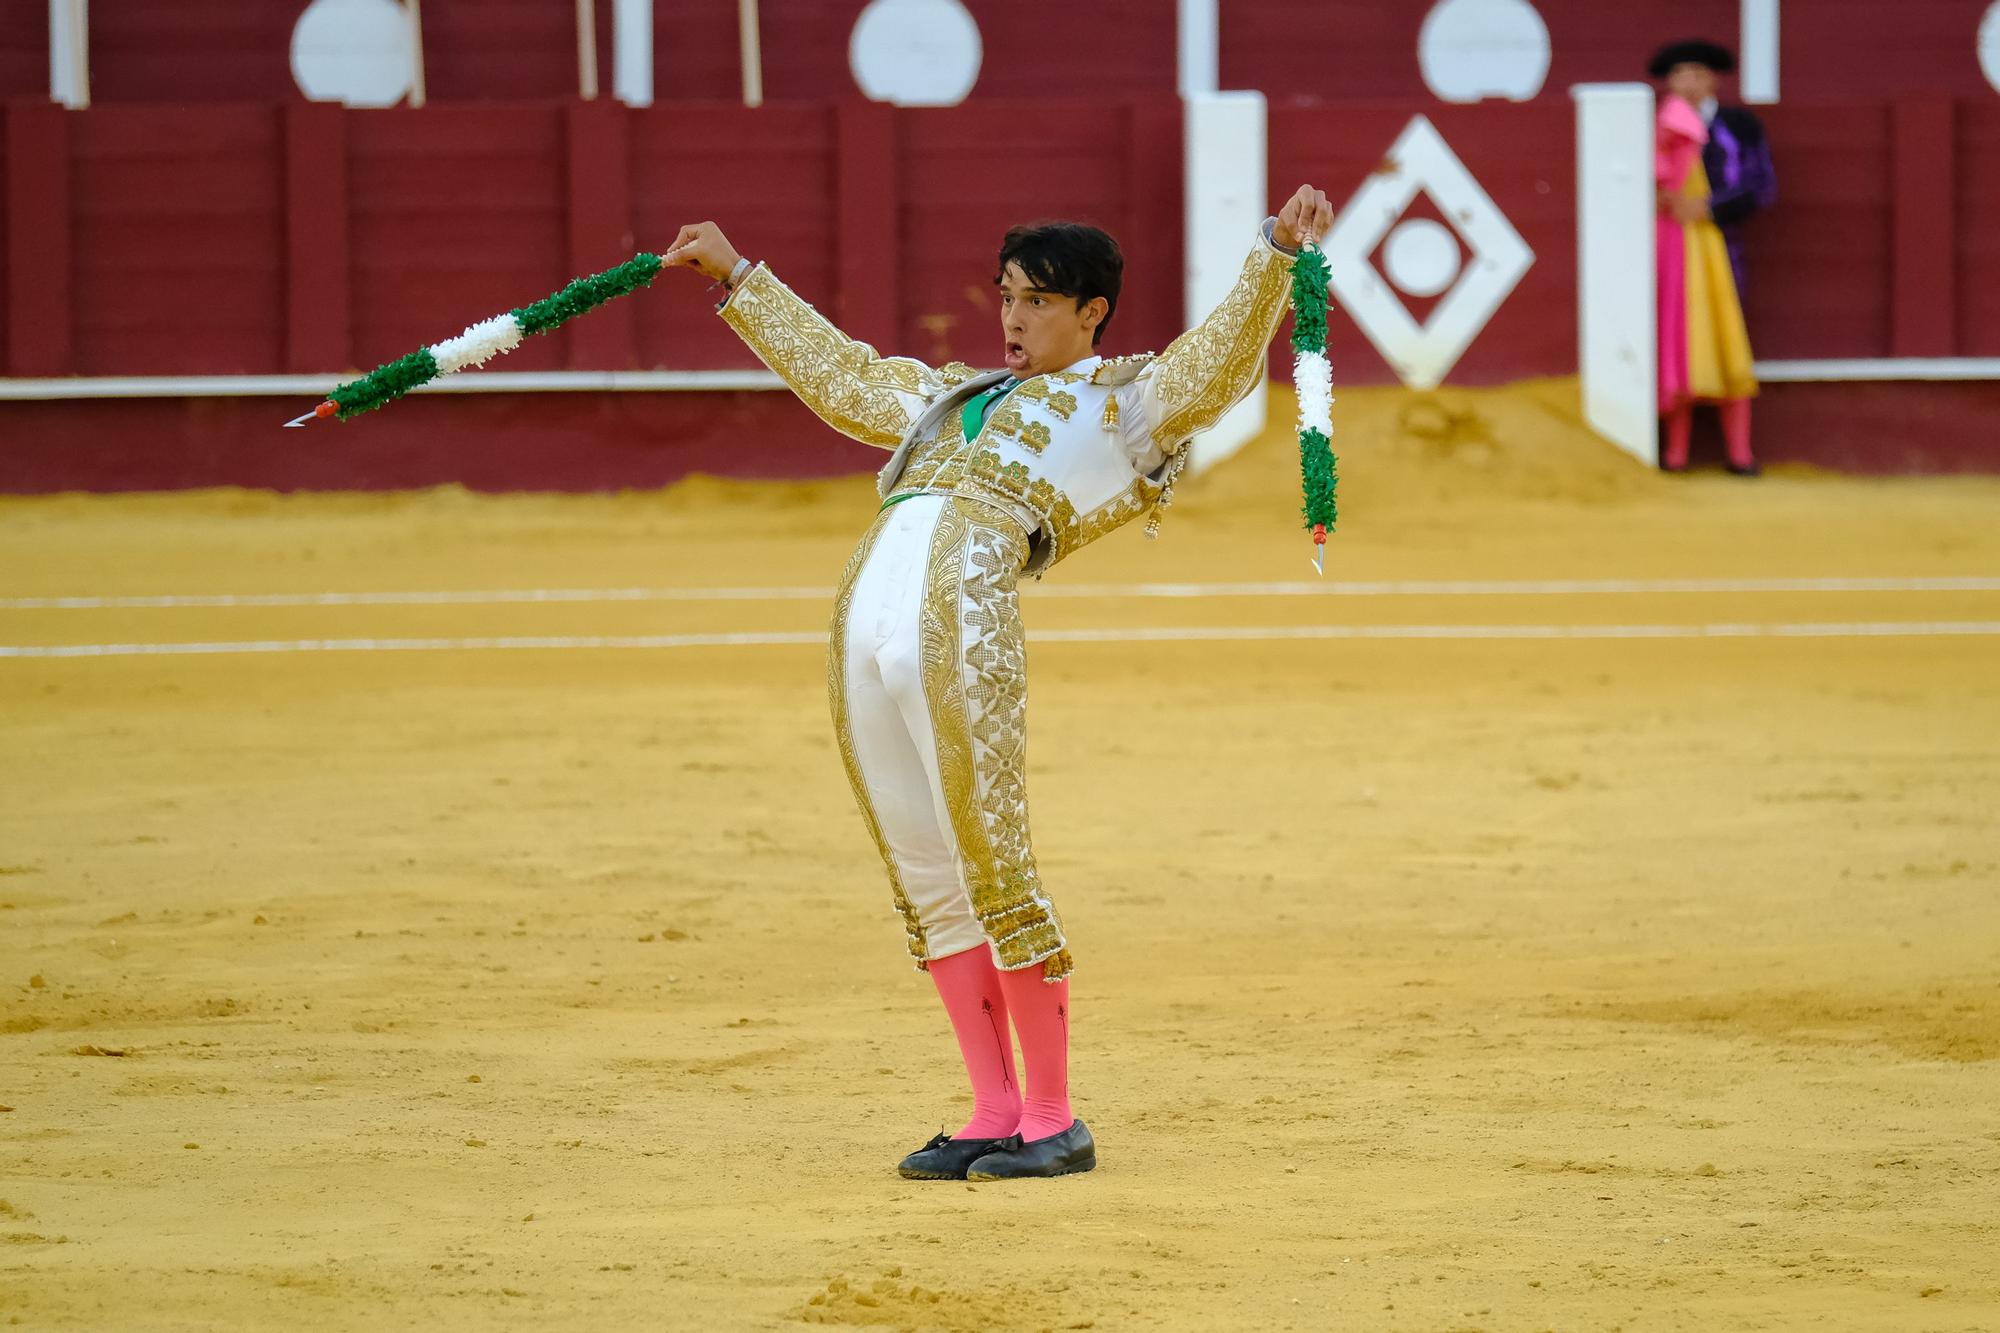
(1757, 67)
(69, 52)
(1616, 327)
(1198, 43)
(1226, 201)
(632, 51)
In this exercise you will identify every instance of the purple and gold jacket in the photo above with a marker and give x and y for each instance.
(1741, 180)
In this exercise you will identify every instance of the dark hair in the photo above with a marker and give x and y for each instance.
(1070, 259)
(1710, 54)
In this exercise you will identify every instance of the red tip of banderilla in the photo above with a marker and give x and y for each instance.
(325, 409)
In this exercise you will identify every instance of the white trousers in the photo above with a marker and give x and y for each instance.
(927, 679)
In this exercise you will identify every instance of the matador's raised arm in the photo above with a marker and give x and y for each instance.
(867, 397)
(1207, 370)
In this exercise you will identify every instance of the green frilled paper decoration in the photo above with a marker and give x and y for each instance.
(1312, 377)
(483, 341)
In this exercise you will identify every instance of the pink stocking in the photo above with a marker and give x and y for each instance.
(1736, 431)
(1680, 420)
(969, 985)
(1041, 1016)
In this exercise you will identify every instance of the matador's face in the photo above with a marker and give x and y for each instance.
(1695, 82)
(1044, 331)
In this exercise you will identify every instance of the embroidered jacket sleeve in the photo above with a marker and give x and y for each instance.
(1208, 370)
(866, 397)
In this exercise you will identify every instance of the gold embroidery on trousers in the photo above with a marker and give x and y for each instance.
(843, 732)
(975, 681)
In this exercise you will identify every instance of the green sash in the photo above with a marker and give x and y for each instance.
(973, 416)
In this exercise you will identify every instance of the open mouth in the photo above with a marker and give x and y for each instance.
(1017, 356)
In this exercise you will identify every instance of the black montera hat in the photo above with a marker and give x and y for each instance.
(1715, 57)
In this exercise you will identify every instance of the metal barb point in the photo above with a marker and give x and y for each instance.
(305, 420)
(1319, 559)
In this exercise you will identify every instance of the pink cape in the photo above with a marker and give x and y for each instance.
(1677, 142)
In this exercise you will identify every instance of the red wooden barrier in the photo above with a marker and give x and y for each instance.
(317, 262)
(38, 240)
(597, 157)
(457, 213)
(1820, 264)
(1978, 248)
(1923, 226)
(769, 178)
(177, 255)
(24, 51)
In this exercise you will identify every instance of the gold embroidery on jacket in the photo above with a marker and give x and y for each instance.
(1118, 370)
(836, 691)
(980, 473)
(1207, 369)
(860, 394)
(1006, 419)
(1035, 436)
(1059, 402)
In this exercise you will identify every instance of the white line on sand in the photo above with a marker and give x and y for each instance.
(1779, 630)
(1300, 588)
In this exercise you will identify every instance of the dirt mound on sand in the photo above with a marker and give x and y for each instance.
(1523, 441)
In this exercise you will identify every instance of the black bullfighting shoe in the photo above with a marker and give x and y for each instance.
(945, 1158)
(1061, 1154)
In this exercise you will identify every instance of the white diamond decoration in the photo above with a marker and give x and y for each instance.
(1421, 162)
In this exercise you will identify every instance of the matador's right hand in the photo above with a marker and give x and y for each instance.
(703, 247)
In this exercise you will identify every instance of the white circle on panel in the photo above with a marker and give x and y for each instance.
(1474, 49)
(1989, 45)
(1421, 257)
(915, 52)
(360, 52)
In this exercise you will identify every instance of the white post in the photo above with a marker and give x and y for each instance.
(586, 50)
(750, 41)
(1225, 202)
(69, 52)
(632, 51)
(1759, 61)
(1198, 42)
(416, 52)
(1617, 336)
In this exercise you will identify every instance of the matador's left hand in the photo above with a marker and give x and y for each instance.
(1306, 216)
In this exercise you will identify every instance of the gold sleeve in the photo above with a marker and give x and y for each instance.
(1205, 371)
(866, 397)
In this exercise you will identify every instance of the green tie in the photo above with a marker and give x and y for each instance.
(980, 406)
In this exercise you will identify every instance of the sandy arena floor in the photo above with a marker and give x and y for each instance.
(1482, 979)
